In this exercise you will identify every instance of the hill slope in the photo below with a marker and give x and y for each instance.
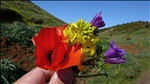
(127, 27)
(27, 12)
(130, 33)
(26, 19)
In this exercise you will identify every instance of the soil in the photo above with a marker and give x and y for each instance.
(132, 48)
(135, 49)
(145, 79)
(17, 53)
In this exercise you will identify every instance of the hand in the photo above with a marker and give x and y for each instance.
(39, 76)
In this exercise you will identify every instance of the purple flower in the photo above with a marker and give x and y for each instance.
(115, 60)
(97, 21)
(114, 55)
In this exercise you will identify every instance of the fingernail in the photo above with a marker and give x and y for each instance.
(65, 75)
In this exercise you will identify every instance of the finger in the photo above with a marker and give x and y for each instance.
(48, 74)
(35, 76)
(64, 76)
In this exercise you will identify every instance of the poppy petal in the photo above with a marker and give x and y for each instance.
(74, 55)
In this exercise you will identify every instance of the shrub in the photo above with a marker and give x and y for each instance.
(19, 32)
(10, 71)
(131, 68)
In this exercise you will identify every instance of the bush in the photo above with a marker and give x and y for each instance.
(19, 32)
(10, 71)
(131, 68)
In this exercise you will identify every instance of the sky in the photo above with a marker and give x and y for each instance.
(113, 12)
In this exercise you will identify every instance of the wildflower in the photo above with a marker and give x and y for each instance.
(113, 55)
(52, 52)
(81, 32)
(114, 60)
(97, 21)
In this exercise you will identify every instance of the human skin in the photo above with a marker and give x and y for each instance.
(39, 76)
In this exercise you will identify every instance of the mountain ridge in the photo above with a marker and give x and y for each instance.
(126, 27)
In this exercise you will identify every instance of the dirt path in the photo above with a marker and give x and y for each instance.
(132, 48)
(135, 49)
(145, 79)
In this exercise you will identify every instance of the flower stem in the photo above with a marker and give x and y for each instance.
(104, 74)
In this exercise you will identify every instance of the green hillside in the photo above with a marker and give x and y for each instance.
(132, 33)
(20, 20)
(134, 38)
(27, 12)
(127, 27)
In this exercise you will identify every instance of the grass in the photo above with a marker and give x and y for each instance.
(136, 63)
(21, 17)
(138, 37)
(31, 13)
(10, 71)
(124, 73)
(19, 32)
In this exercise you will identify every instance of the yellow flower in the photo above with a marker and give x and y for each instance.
(82, 32)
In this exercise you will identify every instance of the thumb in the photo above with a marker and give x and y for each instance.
(63, 76)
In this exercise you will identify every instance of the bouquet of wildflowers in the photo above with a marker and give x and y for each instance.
(74, 45)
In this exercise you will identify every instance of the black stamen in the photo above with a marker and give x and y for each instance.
(49, 53)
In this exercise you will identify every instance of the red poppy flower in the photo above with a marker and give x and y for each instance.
(52, 52)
